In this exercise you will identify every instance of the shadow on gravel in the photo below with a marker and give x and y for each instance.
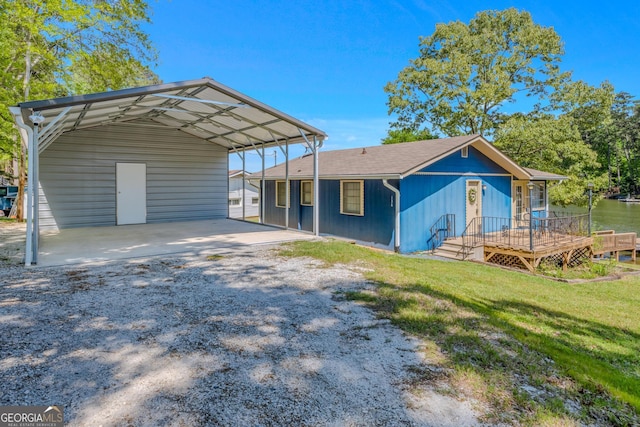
(232, 341)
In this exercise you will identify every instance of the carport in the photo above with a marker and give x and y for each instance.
(101, 244)
(145, 155)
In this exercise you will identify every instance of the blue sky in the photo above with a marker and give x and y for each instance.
(326, 62)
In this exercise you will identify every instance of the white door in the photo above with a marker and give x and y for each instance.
(474, 204)
(131, 193)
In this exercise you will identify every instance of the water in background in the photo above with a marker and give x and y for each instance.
(611, 215)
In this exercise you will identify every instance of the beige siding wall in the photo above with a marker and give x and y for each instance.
(186, 176)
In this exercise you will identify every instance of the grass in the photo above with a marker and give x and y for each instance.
(531, 350)
(588, 270)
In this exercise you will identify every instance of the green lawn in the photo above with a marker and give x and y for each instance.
(523, 346)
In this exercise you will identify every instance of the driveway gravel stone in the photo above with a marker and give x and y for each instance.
(244, 338)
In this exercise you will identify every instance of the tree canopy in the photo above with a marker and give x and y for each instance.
(396, 136)
(52, 48)
(500, 76)
(467, 73)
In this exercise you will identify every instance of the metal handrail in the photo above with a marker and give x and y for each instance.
(469, 240)
(443, 228)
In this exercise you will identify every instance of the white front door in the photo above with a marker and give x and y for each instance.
(474, 202)
(131, 193)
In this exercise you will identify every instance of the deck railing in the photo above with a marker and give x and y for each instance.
(525, 233)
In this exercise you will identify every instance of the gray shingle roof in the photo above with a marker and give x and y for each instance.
(542, 175)
(378, 160)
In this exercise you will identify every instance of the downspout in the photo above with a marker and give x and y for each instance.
(397, 214)
(25, 129)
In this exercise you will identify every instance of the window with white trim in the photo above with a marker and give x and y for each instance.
(255, 200)
(281, 194)
(234, 202)
(519, 202)
(538, 196)
(352, 197)
(306, 193)
(464, 152)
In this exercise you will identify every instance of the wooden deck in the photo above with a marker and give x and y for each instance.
(564, 241)
(562, 249)
(607, 241)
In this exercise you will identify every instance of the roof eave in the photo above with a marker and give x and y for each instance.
(429, 162)
(502, 159)
(548, 178)
(257, 175)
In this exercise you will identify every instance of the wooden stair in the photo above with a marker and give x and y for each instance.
(453, 249)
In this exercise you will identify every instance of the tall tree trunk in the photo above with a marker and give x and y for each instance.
(22, 162)
(22, 180)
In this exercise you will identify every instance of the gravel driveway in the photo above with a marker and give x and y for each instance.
(245, 339)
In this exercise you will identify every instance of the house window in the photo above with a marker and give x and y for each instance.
(538, 197)
(255, 200)
(465, 152)
(306, 193)
(519, 205)
(281, 194)
(234, 202)
(352, 197)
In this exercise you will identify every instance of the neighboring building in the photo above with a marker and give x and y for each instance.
(393, 195)
(249, 198)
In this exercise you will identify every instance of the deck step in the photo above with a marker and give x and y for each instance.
(452, 249)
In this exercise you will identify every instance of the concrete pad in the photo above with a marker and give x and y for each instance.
(101, 244)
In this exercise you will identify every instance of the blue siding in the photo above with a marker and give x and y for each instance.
(376, 226)
(475, 163)
(276, 215)
(425, 198)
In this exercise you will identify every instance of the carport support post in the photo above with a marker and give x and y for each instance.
(262, 185)
(286, 184)
(244, 191)
(35, 158)
(28, 256)
(316, 184)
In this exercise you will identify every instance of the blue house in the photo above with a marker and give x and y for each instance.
(394, 196)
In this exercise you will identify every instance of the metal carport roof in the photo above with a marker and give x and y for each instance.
(203, 108)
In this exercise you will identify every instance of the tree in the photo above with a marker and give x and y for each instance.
(466, 74)
(624, 141)
(552, 144)
(396, 136)
(57, 47)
